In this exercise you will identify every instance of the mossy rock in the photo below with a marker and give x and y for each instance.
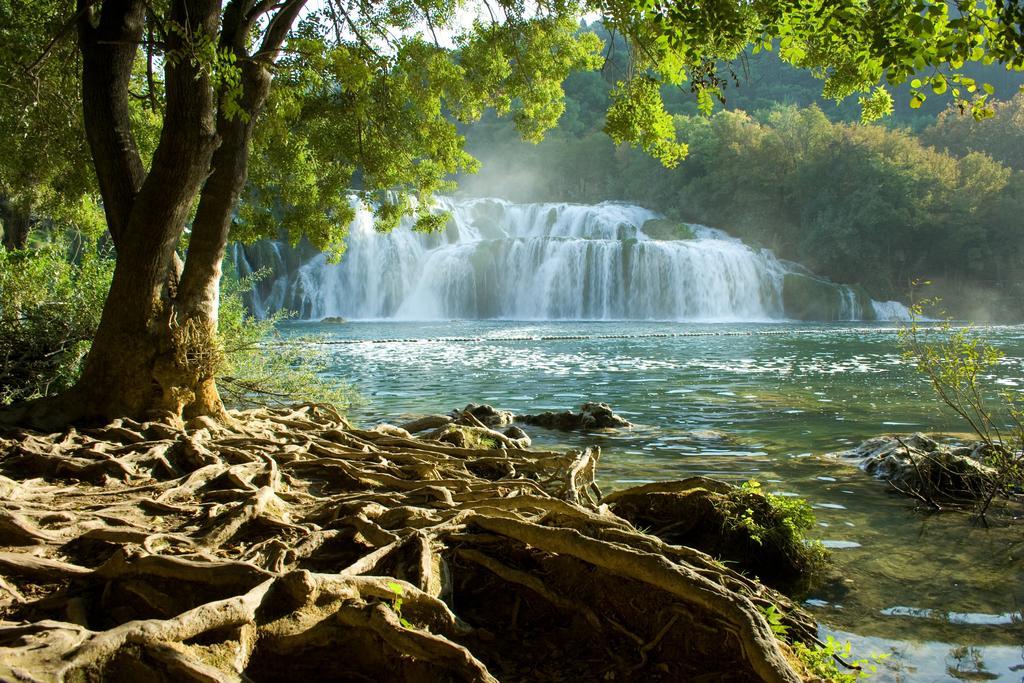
(668, 229)
(753, 532)
(810, 298)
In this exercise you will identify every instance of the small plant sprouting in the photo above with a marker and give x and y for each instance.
(773, 615)
(793, 518)
(396, 603)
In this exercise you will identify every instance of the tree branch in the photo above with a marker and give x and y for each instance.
(108, 48)
(280, 25)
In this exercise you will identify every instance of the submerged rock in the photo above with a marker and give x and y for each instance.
(920, 466)
(592, 416)
(808, 297)
(668, 229)
(462, 436)
(480, 438)
(757, 533)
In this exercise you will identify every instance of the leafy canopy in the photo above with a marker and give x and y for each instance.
(854, 45)
(378, 114)
(367, 96)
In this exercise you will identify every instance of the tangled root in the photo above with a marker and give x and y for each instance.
(287, 545)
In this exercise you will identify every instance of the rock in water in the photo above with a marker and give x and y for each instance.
(742, 526)
(921, 466)
(520, 438)
(489, 416)
(592, 416)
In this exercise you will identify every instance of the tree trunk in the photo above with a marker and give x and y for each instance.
(199, 294)
(17, 223)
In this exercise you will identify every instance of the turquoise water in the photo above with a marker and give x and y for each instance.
(941, 595)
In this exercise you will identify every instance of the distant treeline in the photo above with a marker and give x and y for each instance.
(921, 197)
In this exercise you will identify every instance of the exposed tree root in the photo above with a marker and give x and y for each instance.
(286, 545)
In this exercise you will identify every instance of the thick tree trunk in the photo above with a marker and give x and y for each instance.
(144, 359)
(108, 41)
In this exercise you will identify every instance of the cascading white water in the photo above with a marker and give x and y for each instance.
(501, 260)
(541, 261)
(849, 307)
(890, 310)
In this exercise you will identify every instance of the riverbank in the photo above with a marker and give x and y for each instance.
(267, 547)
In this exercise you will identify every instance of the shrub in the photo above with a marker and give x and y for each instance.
(51, 299)
(958, 362)
(259, 367)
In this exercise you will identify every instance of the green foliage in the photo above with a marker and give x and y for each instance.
(1001, 136)
(959, 365)
(821, 660)
(258, 368)
(50, 304)
(852, 46)
(45, 168)
(773, 615)
(780, 520)
(396, 602)
(638, 115)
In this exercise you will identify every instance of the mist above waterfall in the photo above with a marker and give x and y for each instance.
(500, 260)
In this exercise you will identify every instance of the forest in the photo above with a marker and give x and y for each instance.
(483, 340)
(926, 194)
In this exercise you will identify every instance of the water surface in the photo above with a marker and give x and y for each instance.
(764, 401)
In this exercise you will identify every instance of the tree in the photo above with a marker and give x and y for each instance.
(1001, 136)
(357, 93)
(45, 165)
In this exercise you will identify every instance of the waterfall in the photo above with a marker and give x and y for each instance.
(890, 310)
(849, 306)
(499, 260)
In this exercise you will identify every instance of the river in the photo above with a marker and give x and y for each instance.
(940, 595)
